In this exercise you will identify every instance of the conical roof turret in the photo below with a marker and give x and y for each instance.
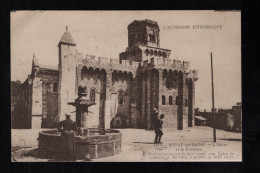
(67, 38)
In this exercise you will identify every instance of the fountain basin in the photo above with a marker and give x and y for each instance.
(94, 145)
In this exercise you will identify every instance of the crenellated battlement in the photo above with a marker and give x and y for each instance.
(126, 65)
(108, 63)
(193, 74)
(103, 61)
(160, 62)
(146, 21)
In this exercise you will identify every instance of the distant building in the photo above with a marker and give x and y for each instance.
(14, 92)
(125, 90)
(21, 106)
(37, 98)
(225, 119)
(237, 112)
(200, 121)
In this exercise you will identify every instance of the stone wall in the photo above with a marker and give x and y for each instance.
(45, 99)
(169, 88)
(93, 81)
(121, 82)
(37, 97)
(170, 116)
(137, 93)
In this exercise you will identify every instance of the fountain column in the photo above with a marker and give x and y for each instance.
(82, 104)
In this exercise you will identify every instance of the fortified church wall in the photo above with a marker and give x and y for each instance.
(126, 90)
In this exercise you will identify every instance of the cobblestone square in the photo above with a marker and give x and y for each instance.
(137, 145)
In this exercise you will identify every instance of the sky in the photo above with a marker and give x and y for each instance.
(104, 33)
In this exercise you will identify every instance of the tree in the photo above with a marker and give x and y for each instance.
(196, 111)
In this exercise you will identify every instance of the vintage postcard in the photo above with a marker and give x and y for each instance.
(126, 86)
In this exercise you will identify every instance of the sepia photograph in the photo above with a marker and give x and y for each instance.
(126, 86)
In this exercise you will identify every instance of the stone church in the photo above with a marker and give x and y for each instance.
(125, 90)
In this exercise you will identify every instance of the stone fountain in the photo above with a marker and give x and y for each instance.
(92, 142)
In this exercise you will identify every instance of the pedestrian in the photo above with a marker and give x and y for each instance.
(158, 129)
(67, 143)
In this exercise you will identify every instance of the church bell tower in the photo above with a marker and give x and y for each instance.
(143, 36)
(144, 32)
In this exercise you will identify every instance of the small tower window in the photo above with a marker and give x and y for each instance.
(186, 102)
(55, 87)
(151, 36)
(177, 100)
(92, 95)
(170, 100)
(152, 60)
(163, 100)
(120, 97)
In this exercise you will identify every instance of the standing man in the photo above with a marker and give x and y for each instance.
(158, 129)
(67, 147)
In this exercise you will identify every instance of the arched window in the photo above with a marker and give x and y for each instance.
(151, 36)
(147, 52)
(163, 100)
(152, 60)
(92, 96)
(177, 100)
(164, 55)
(170, 100)
(151, 52)
(55, 87)
(120, 97)
(186, 102)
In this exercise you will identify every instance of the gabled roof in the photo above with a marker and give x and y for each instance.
(67, 38)
(36, 65)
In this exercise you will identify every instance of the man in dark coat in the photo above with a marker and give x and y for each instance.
(67, 145)
(158, 129)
